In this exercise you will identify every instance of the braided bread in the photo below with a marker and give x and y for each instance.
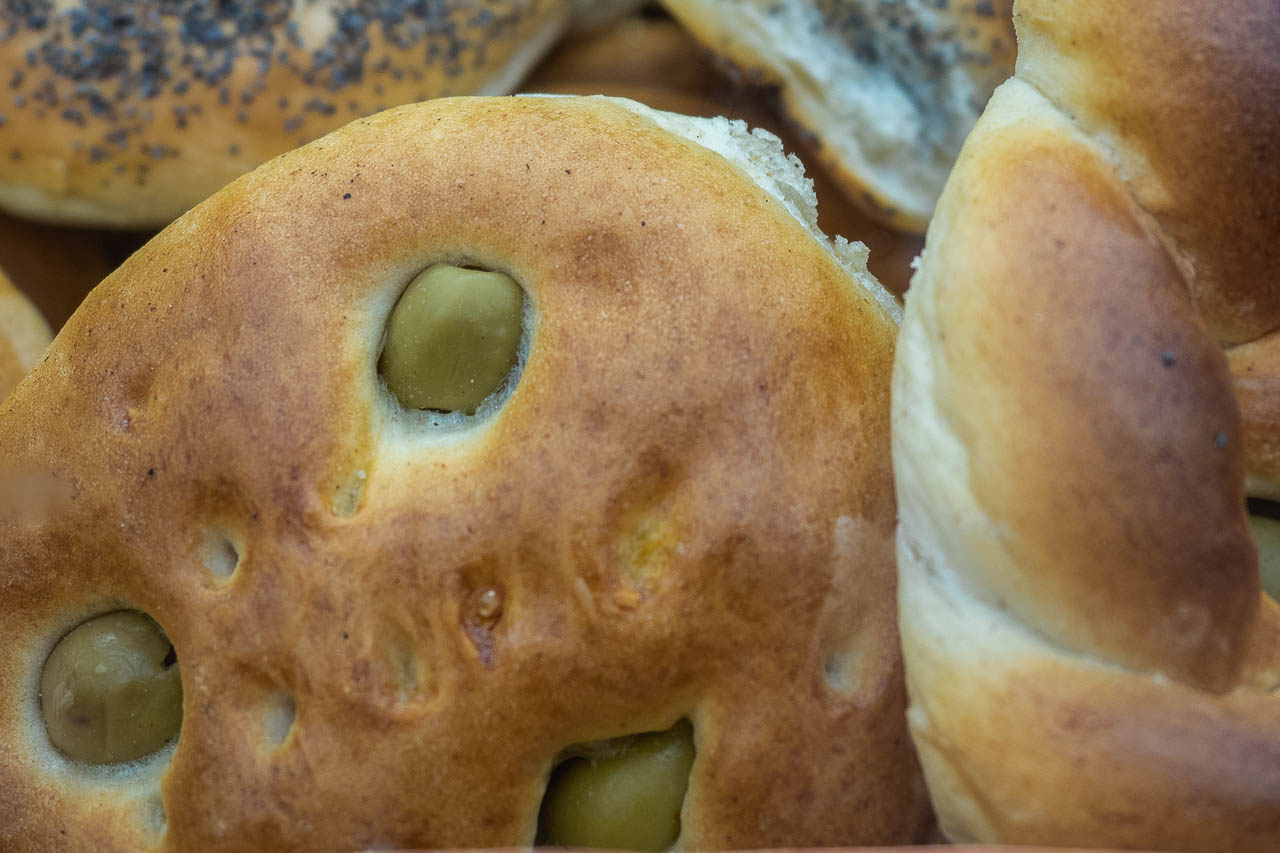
(391, 624)
(1090, 658)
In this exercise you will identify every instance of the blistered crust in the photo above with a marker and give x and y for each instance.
(654, 506)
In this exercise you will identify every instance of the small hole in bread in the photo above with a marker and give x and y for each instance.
(1264, 519)
(219, 555)
(153, 814)
(346, 499)
(278, 721)
(624, 793)
(401, 681)
(842, 670)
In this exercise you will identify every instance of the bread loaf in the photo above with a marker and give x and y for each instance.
(393, 625)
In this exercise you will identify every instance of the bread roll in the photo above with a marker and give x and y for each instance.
(23, 336)
(1090, 657)
(887, 88)
(127, 114)
(391, 625)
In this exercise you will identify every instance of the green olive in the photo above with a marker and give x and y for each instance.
(1266, 534)
(625, 797)
(452, 339)
(111, 690)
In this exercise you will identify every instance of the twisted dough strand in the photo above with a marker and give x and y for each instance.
(1090, 658)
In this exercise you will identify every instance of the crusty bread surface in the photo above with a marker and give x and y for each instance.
(684, 507)
(1091, 660)
(667, 69)
(127, 114)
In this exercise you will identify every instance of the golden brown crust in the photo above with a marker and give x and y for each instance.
(676, 403)
(23, 336)
(127, 114)
(1090, 658)
(1108, 511)
(665, 86)
(1077, 754)
(1187, 96)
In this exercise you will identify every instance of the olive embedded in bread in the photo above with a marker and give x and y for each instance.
(393, 625)
(128, 113)
(452, 339)
(110, 690)
(1087, 387)
(624, 796)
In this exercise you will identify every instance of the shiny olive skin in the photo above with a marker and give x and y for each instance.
(452, 338)
(626, 799)
(111, 690)
(1266, 535)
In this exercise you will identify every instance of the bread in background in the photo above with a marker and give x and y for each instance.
(888, 89)
(23, 336)
(126, 115)
(56, 266)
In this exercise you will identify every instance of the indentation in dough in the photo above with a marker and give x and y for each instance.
(403, 673)
(480, 613)
(391, 674)
(347, 494)
(647, 536)
(843, 670)
(279, 716)
(646, 549)
(219, 555)
(857, 641)
(153, 814)
(136, 395)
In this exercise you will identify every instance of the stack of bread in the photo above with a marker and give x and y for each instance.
(460, 471)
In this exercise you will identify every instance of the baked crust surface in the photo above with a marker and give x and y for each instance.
(685, 507)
